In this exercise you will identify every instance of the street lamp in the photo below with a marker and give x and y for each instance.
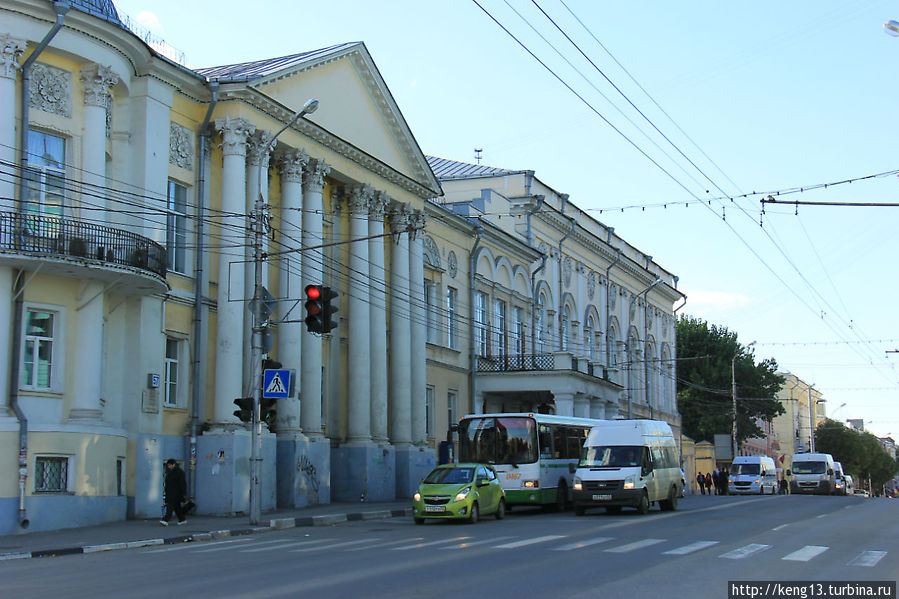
(256, 359)
(733, 379)
(891, 28)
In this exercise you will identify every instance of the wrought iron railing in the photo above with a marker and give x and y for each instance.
(517, 362)
(56, 236)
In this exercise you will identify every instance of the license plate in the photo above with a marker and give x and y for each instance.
(435, 508)
(602, 498)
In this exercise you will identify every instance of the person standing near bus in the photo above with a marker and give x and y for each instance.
(700, 480)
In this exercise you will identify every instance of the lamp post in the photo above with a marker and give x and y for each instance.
(256, 359)
(733, 379)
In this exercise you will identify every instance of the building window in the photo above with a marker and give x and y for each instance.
(452, 340)
(120, 476)
(451, 407)
(540, 324)
(588, 339)
(176, 227)
(431, 311)
(565, 328)
(37, 350)
(46, 185)
(51, 474)
(172, 363)
(480, 324)
(429, 412)
(518, 331)
(499, 328)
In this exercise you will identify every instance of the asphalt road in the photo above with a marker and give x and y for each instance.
(692, 552)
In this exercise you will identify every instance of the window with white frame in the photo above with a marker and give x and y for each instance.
(565, 327)
(38, 350)
(452, 340)
(499, 328)
(588, 338)
(612, 348)
(452, 398)
(51, 474)
(518, 330)
(431, 311)
(173, 366)
(429, 412)
(46, 194)
(176, 227)
(480, 324)
(540, 323)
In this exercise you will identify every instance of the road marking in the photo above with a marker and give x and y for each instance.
(386, 544)
(745, 551)
(805, 554)
(822, 516)
(194, 546)
(441, 542)
(868, 558)
(582, 544)
(472, 544)
(334, 546)
(690, 548)
(284, 545)
(635, 545)
(781, 526)
(533, 541)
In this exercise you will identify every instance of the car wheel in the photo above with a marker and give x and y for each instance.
(501, 509)
(473, 515)
(419, 520)
(579, 510)
(643, 506)
(670, 504)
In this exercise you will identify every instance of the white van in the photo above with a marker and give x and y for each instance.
(628, 463)
(839, 482)
(812, 473)
(849, 486)
(755, 474)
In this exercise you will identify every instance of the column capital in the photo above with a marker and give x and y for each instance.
(258, 148)
(398, 216)
(292, 164)
(10, 50)
(359, 199)
(234, 135)
(315, 172)
(379, 203)
(417, 221)
(97, 80)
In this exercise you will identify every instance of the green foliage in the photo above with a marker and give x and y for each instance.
(704, 383)
(860, 453)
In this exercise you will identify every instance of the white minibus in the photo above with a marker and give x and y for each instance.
(755, 474)
(812, 473)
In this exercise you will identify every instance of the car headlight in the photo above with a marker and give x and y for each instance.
(461, 495)
(416, 497)
(578, 485)
(629, 482)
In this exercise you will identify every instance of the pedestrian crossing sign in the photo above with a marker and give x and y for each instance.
(276, 383)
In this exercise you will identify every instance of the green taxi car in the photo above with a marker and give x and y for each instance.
(459, 491)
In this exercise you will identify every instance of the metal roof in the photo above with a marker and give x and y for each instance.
(268, 66)
(103, 9)
(450, 169)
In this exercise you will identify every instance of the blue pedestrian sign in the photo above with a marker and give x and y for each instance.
(276, 383)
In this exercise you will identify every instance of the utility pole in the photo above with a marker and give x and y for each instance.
(811, 421)
(256, 358)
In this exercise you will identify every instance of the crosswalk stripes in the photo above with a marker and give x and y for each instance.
(335, 545)
(282, 545)
(805, 554)
(220, 545)
(517, 544)
(745, 551)
(419, 545)
(582, 544)
(387, 544)
(868, 558)
(628, 547)
(474, 543)
(690, 548)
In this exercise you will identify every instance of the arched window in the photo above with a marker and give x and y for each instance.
(566, 328)
(540, 324)
(589, 347)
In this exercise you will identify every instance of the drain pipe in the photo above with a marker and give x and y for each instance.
(573, 223)
(61, 8)
(472, 264)
(199, 340)
(534, 303)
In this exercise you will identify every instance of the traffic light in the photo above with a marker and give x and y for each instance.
(319, 309)
(267, 411)
(245, 413)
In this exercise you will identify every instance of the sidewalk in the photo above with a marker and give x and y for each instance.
(130, 534)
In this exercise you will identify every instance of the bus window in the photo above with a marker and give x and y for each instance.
(545, 440)
(575, 441)
(517, 441)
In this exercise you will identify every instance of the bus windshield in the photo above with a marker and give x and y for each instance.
(745, 469)
(615, 456)
(809, 467)
(502, 440)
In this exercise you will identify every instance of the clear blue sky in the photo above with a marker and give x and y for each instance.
(776, 95)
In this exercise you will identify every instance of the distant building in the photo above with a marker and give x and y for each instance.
(794, 429)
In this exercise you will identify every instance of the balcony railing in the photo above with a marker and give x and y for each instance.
(54, 236)
(514, 363)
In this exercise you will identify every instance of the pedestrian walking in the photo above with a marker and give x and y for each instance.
(716, 480)
(700, 480)
(725, 476)
(175, 489)
(708, 482)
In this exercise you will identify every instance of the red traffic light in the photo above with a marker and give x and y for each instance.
(313, 292)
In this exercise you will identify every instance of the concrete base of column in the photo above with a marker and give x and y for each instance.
(223, 473)
(303, 472)
(363, 472)
(412, 464)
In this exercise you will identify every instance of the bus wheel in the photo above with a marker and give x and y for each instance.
(670, 504)
(643, 506)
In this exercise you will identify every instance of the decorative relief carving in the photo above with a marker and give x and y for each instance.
(51, 90)
(566, 271)
(431, 252)
(359, 199)
(181, 146)
(10, 50)
(591, 284)
(543, 248)
(259, 148)
(613, 296)
(399, 218)
(379, 203)
(97, 79)
(649, 316)
(451, 264)
(417, 224)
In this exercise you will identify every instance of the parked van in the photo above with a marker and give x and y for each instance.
(812, 473)
(849, 487)
(628, 463)
(839, 479)
(754, 474)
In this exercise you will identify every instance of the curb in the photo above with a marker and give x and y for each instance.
(275, 524)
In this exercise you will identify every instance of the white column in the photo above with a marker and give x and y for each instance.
(313, 260)
(378, 318)
(10, 50)
(96, 80)
(564, 404)
(418, 334)
(581, 406)
(230, 308)
(88, 359)
(359, 363)
(257, 182)
(400, 424)
(290, 282)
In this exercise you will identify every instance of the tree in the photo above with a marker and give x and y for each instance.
(860, 453)
(704, 392)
